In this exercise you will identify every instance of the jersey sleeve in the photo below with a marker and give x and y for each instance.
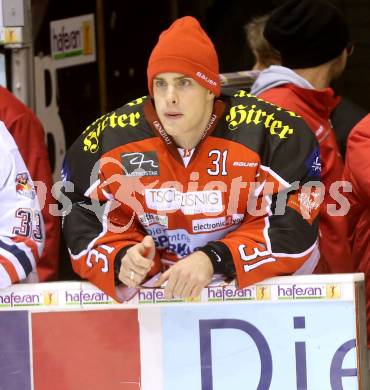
(34, 153)
(280, 230)
(21, 229)
(97, 227)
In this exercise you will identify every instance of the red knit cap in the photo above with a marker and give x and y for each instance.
(185, 48)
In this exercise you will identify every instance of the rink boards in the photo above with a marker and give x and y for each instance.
(290, 332)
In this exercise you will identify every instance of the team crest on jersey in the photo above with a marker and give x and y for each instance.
(313, 163)
(23, 185)
(140, 163)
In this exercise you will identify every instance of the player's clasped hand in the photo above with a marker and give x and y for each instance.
(137, 262)
(187, 277)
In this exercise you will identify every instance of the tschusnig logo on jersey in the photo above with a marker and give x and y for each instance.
(23, 185)
(190, 203)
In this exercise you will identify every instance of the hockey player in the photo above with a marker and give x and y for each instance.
(187, 175)
(21, 227)
(29, 136)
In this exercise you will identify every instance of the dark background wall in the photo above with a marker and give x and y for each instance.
(130, 30)
(355, 82)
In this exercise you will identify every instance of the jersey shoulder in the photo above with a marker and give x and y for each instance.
(119, 127)
(8, 149)
(278, 136)
(124, 125)
(7, 143)
(251, 120)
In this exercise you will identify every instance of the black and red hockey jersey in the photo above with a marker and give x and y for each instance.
(243, 193)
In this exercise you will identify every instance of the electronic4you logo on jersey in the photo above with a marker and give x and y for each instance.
(211, 224)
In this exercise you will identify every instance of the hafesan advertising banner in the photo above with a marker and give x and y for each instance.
(72, 41)
(285, 333)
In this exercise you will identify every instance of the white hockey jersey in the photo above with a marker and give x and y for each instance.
(21, 224)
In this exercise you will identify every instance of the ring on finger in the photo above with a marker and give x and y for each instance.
(132, 275)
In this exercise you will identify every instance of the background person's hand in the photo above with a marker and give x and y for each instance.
(137, 262)
(187, 277)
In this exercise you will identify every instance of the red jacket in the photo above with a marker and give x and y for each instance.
(357, 171)
(315, 107)
(29, 135)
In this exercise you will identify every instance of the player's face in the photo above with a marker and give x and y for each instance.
(183, 106)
